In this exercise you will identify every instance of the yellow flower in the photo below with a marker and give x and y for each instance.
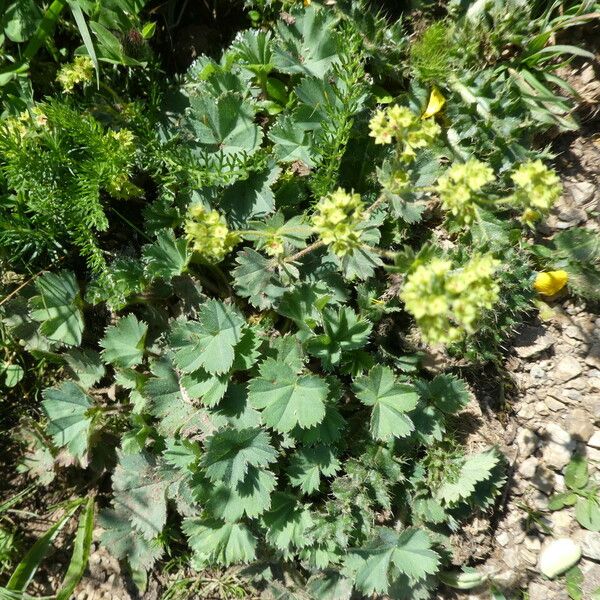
(551, 283)
(436, 103)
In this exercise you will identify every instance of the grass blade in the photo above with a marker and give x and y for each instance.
(26, 569)
(81, 552)
(85, 36)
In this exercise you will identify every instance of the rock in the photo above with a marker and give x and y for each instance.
(590, 544)
(527, 442)
(591, 578)
(566, 369)
(593, 455)
(528, 466)
(543, 479)
(502, 538)
(561, 521)
(580, 425)
(575, 332)
(555, 433)
(557, 456)
(559, 556)
(593, 357)
(532, 341)
(594, 441)
(538, 591)
(537, 372)
(582, 192)
(532, 543)
(553, 404)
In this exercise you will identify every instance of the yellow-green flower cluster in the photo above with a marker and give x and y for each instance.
(537, 189)
(447, 303)
(336, 220)
(458, 188)
(410, 131)
(81, 70)
(208, 234)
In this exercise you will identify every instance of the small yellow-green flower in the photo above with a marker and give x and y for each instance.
(409, 130)
(336, 220)
(537, 188)
(551, 282)
(447, 303)
(208, 234)
(81, 70)
(459, 186)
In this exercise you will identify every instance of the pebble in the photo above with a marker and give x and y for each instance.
(528, 467)
(575, 332)
(537, 372)
(553, 404)
(567, 369)
(580, 425)
(561, 521)
(502, 538)
(555, 433)
(527, 442)
(532, 341)
(590, 544)
(558, 557)
(593, 357)
(557, 456)
(543, 479)
(583, 191)
(594, 441)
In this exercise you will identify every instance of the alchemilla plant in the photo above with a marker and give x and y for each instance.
(242, 371)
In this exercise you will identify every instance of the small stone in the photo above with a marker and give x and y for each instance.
(582, 191)
(558, 557)
(532, 341)
(527, 411)
(528, 467)
(537, 372)
(590, 544)
(527, 442)
(532, 543)
(557, 456)
(555, 433)
(553, 404)
(543, 479)
(594, 441)
(593, 455)
(566, 369)
(593, 357)
(575, 332)
(502, 538)
(561, 522)
(538, 591)
(541, 408)
(580, 425)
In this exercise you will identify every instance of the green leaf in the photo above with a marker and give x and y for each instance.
(474, 469)
(255, 279)
(329, 585)
(167, 257)
(177, 412)
(250, 496)
(81, 552)
(576, 473)
(309, 46)
(286, 398)
(20, 20)
(124, 343)
(13, 373)
(390, 401)
(230, 452)
(250, 198)
(57, 308)
(291, 142)
(287, 523)
(587, 513)
(123, 541)
(343, 330)
(558, 501)
(393, 553)
(574, 581)
(209, 388)
(139, 494)
(86, 365)
(210, 342)
(446, 392)
(225, 124)
(25, 570)
(308, 464)
(68, 419)
(220, 543)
